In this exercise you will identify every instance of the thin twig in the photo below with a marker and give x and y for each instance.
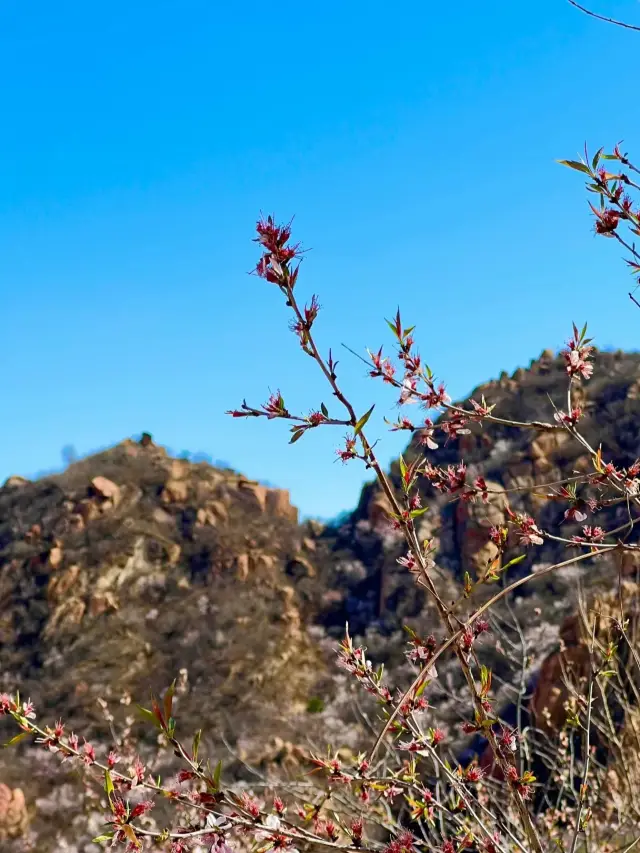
(603, 17)
(587, 749)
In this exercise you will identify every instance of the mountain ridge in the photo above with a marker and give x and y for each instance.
(130, 568)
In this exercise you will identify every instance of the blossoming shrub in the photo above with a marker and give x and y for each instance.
(558, 775)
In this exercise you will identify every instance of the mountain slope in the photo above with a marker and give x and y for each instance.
(131, 568)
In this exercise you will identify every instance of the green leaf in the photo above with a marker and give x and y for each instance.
(403, 467)
(108, 786)
(149, 716)
(596, 158)
(99, 839)
(514, 562)
(575, 164)
(468, 585)
(324, 410)
(421, 688)
(416, 512)
(296, 436)
(17, 738)
(216, 775)
(196, 744)
(363, 420)
(392, 327)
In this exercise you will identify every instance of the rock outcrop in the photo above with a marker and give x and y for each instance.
(517, 463)
(14, 817)
(131, 565)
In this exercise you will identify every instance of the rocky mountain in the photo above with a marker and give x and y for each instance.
(512, 461)
(132, 568)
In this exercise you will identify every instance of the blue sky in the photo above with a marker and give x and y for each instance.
(415, 144)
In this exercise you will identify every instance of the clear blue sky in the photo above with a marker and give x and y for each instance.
(414, 142)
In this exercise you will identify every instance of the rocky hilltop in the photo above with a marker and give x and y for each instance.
(132, 568)
(512, 461)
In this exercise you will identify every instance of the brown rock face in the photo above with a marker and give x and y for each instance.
(279, 504)
(102, 603)
(65, 618)
(61, 584)
(378, 511)
(175, 491)
(242, 566)
(544, 450)
(106, 490)
(571, 664)
(256, 493)
(276, 502)
(15, 482)
(548, 703)
(55, 556)
(474, 522)
(13, 813)
(628, 563)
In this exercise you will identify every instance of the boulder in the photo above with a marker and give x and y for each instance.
(571, 663)
(279, 504)
(179, 469)
(55, 556)
(378, 511)
(473, 523)
(106, 489)
(102, 603)
(89, 510)
(62, 583)
(299, 567)
(242, 567)
(175, 491)
(15, 482)
(14, 818)
(256, 494)
(548, 703)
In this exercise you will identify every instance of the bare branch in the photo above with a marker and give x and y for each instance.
(603, 17)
